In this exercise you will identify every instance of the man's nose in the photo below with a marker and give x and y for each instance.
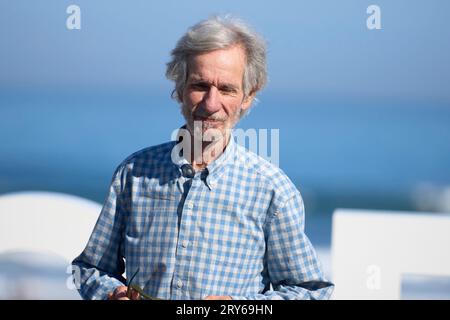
(211, 100)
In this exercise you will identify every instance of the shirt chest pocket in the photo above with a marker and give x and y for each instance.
(150, 225)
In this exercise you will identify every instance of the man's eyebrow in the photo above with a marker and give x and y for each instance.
(195, 78)
(198, 80)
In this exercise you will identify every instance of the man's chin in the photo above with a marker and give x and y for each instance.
(209, 132)
(209, 123)
(205, 125)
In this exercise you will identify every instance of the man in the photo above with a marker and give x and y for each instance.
(201, 217)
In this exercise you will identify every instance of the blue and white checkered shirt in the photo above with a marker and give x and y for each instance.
(235, 228)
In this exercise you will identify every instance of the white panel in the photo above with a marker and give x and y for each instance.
(46, 222)
(372, 249)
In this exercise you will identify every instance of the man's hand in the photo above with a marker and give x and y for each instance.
(121, 294)
(218, 298)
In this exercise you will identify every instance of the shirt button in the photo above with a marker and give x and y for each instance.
(179, 284)
(190, 205)
(184, 243)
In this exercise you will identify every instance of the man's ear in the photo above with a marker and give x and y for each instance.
(179, 94)
(247, 102)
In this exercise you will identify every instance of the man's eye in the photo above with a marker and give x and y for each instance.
(227, 90)
(200, 87)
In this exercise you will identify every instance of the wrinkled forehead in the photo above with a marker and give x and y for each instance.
(225, 65)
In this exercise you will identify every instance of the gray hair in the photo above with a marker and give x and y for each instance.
(219, 33)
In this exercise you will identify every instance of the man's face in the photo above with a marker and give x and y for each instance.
(213, 92)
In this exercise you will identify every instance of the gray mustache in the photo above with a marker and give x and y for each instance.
(206, 118)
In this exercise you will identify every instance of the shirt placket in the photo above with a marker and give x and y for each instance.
(186, 241)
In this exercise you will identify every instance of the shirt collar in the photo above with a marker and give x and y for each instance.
(216, 168)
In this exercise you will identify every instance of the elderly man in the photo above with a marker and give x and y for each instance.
(220, 223)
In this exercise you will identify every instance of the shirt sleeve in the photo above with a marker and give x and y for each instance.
(292, 264)
(98, 269)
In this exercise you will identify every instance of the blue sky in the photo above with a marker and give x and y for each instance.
(315, 47)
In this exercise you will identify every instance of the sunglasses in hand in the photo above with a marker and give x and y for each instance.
(135, 287)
